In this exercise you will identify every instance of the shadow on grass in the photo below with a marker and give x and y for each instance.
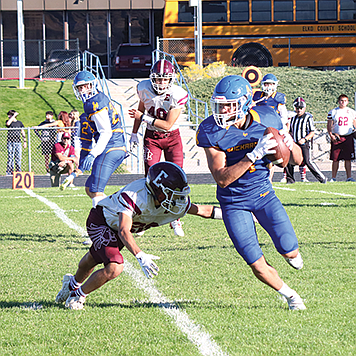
(45, 100)
(33, 237)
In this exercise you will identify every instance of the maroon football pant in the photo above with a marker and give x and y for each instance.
(169, 142)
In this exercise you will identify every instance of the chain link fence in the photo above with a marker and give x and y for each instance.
(35, 157)
(40, 141)
(54, 58)
(301, 51)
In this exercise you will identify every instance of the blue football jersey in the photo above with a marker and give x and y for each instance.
(236, 143)
(273, 101)
(101, 102)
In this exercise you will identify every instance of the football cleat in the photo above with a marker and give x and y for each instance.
(296, 262)
(87, 242)
(75, 302)
(66, 182)
(63, 294)
(176, 225)
(296, 303)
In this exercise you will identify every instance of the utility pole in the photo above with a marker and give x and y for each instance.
(21, 41)
(198, 31)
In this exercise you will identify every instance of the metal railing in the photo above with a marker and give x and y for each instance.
(197, 108)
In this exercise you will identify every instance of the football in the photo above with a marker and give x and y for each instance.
(282, 155)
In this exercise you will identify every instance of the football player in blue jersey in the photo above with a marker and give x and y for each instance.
(235, 148)
(86, 144)
(270, 97)
(110, 149)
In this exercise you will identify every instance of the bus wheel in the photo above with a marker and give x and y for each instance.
(252, 54)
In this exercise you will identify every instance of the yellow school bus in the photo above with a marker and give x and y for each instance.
(303, 33)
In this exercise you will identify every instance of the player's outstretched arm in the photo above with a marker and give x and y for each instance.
(145, 260)
(205, 211)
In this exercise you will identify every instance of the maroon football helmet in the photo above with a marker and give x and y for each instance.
(162, 69)
(168, 184)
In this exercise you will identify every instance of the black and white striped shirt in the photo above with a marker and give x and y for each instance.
(301, 126)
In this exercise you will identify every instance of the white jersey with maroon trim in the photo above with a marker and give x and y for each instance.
(157, 106)
(137, 202)
(343, 120)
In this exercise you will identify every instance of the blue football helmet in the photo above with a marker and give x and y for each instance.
(272, 82)
(82, 78)
(231, 100)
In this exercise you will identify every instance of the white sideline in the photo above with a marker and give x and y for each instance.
(195, 333)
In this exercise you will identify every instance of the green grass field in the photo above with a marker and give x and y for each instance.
(205, 300)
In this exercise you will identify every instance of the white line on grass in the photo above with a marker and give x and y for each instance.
(195, 333)
(324, 192)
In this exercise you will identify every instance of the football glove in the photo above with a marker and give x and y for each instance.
(288, 139)
(133, 141)
(264, 147)
(145, 260)
(216, 213)
(88, 162)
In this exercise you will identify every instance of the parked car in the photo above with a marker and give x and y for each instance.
(133, 58)
(62, 63)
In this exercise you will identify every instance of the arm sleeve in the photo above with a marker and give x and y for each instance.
(103, 125)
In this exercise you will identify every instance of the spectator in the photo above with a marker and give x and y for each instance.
(63, 159)
(63, 123)
(235, 147)
(160, 106)
(14, 149)
(302, 130)
(341, 125)
(142, 204)
(48, 138)
(75, 134)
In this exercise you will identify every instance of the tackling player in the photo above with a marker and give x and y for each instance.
(148, 202)
(110, 150)
(160, 106)
(235, 148)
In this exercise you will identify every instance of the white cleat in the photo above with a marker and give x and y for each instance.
(296, 262)
(141, 233)
(63, 294)
(176, 225)
(87, 242)
(75, 303)
(66, 182)
(283, 180)
(296, 303)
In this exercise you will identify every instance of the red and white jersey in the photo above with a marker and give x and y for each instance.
(158, 106)
(136, 201)
(343, 120)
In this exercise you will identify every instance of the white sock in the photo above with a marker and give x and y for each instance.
(73, 284)
(97, 199)
(286, 291)
(80, 292)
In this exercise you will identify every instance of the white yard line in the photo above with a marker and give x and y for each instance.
(194, 332)
(317, 191)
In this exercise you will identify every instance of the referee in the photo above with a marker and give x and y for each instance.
(302, 130)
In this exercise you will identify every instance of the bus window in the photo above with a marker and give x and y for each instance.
(185, 12)
(214, 11)
(239, 10)
(283, 10)
(327, 10)
(261, 10)
(347, 10)
(305, 10)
